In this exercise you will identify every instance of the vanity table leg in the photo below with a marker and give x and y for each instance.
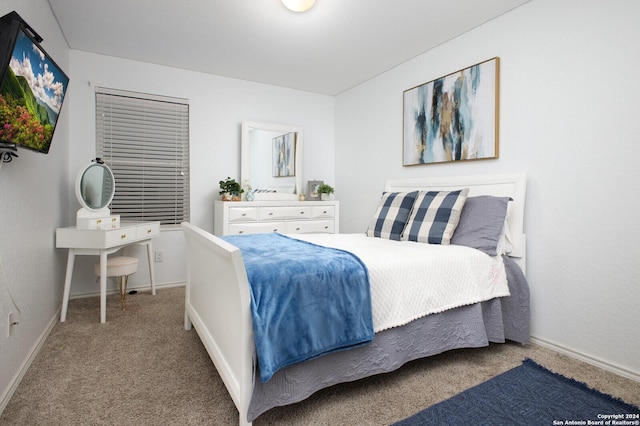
(151, 277)
(103, 286)
(71, 257)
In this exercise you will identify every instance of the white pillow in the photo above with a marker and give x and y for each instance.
(505, 246)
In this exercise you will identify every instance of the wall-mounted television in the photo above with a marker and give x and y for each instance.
(32, 88)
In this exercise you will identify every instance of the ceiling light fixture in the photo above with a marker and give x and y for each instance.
(299, 5)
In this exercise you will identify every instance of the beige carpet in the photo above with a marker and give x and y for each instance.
(143, 368)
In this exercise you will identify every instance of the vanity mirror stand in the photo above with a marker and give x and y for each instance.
(95, 187)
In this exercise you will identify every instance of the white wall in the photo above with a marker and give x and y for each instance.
(33, 204)
(568, 118)
(217, 106)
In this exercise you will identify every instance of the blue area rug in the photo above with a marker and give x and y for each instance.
(528, 395)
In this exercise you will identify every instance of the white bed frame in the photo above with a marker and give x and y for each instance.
(217, 299)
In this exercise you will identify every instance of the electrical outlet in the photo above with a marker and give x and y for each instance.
(159, 255)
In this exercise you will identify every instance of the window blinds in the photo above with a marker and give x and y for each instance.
(144, 139)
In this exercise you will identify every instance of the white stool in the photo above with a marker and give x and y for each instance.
(120, 267)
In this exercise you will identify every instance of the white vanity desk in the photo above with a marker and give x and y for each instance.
(101, 243)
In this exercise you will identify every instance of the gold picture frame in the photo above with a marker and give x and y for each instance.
(453, 118)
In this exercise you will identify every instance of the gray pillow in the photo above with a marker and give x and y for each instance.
(481, 223)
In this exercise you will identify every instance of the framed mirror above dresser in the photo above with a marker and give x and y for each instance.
(271, 160)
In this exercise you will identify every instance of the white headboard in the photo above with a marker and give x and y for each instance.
(501, 185)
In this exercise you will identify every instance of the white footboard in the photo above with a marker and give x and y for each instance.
(217, 303)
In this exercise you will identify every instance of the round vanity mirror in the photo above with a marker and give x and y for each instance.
(95, 186)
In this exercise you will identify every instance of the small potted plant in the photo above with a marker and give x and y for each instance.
(325, 191)
(230, 190)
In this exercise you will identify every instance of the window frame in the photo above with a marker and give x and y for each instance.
(144, 139)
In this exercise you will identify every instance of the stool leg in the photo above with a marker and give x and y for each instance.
(124, 293)
(120, 290)
(122, 287)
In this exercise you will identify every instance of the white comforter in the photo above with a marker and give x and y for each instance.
(410, 280)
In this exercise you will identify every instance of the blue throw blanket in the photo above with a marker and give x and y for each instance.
(306, 300)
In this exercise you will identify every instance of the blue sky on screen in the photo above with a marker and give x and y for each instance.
(47, 82)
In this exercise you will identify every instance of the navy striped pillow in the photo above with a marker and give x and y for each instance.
(435, 216)
(392, 215)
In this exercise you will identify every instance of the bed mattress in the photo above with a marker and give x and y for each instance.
(410, 280)
(469, 326)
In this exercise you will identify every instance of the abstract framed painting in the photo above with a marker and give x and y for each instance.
(284, 155)
(453, 118)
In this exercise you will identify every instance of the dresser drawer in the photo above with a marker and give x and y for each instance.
(310, 227)
(249, 217)
(107, 222)
(322, 212)
(120, 236)
(256, 227)
(148, 230)
(242, 214)
(278, 213)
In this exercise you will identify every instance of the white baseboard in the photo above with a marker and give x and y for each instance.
(138, 288)
(620, 371)
(13, 385)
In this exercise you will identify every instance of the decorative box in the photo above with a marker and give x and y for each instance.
(106, 222)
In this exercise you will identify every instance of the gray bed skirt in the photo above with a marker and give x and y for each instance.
(470, 326)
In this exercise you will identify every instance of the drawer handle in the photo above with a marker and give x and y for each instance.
(123, 236)
(326, 227)
(298, 228)
(99, 221)
(302, 212)
(325, 212)
(149, 231)
(113, 219)
(270, 213)
(275, 230)
(244, 214)
(240, 232)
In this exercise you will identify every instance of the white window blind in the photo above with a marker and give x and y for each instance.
(144, 139)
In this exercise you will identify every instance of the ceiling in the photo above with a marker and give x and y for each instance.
(335, 46)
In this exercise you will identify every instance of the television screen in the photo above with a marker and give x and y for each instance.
(31, 96)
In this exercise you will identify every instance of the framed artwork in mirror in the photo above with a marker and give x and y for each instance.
(312, 190)
(284, 155)
(453, 118)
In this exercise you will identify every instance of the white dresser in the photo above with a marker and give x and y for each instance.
(286, 217)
